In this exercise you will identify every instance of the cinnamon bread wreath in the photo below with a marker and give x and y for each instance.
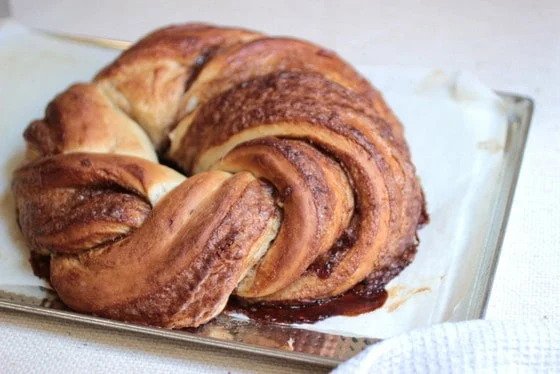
(300, 185)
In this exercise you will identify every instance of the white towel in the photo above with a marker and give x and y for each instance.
(465, 347)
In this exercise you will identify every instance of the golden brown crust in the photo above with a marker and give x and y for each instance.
(311, 189)
(172, 273)
(201, 233)
(71, 203)
(239, 63)
(82, 119)
(275, 98)
(317, 203)
(305, 106)
(148, 80)
(179, 43)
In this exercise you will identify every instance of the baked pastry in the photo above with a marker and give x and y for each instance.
(300, 186)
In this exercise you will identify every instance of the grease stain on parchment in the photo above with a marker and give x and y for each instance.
(398, 295)
(436, 79)
(492, 146)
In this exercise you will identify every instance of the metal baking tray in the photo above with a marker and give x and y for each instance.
(288, 342)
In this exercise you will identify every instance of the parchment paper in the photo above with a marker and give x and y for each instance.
(455, 126)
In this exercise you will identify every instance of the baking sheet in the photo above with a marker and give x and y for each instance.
(456, 127)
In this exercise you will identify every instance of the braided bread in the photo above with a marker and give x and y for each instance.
(300, 182)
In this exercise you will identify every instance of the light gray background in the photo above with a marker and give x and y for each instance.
(4, 8)
(512, 45)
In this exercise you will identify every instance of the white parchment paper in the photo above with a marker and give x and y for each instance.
(455, 126)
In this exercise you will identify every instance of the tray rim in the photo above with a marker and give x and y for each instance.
(477, 308)
(163, 333)
(506, 203)
(479, 297)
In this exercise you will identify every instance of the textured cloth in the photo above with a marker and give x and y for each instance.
(31, 344)
(465, 347)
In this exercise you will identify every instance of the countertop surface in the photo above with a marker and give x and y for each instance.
(510, 45)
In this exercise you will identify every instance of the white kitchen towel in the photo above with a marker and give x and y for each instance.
(465, 347)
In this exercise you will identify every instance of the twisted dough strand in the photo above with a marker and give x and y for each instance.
(302, 183)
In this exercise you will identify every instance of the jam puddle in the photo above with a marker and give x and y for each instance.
(351, 303)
